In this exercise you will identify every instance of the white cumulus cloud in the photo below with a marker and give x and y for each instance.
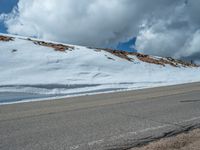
(175, 33)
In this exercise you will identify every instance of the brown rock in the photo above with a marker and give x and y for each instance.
(5, 38)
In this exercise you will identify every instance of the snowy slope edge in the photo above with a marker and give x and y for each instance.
(32, 68)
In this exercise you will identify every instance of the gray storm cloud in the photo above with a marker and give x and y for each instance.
(162, 27)
(175, 33)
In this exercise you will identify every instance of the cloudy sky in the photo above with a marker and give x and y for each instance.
(162, 27)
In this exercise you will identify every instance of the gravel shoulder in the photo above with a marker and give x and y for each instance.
(185, 141)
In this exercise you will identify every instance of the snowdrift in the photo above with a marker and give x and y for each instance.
(31, 68)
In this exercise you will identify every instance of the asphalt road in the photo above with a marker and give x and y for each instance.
(105, 122)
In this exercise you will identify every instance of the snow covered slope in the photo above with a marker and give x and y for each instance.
(30, 68)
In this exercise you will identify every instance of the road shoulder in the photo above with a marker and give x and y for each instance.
(184, 141)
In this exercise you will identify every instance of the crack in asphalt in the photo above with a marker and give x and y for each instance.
(190, 101)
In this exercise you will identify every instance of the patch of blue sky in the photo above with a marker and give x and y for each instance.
(127, 46)
(6, 6)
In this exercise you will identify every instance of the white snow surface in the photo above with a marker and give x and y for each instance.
(29, 68)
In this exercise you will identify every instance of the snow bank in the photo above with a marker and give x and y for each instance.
(28, 67)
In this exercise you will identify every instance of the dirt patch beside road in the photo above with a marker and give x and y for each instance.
(185, 141)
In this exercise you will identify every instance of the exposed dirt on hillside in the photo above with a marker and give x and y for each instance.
(121, 54)
(149, 59)
(57, 47)
(5, 38)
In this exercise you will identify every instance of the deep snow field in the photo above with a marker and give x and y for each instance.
(31, 69)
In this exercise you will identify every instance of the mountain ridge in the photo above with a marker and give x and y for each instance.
(120, 53)
(32, 68)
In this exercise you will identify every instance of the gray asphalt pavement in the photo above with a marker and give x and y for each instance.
(103, 122)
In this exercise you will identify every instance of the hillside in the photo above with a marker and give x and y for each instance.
(30, 68)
